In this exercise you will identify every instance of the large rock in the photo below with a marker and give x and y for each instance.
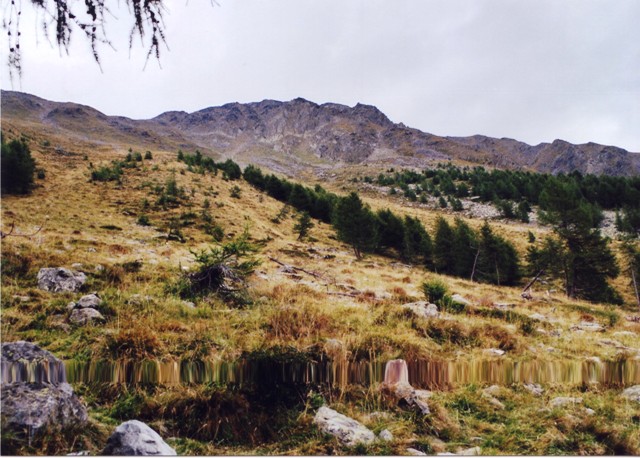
(57, 279)
(632, 393)
(587, 326)
(83, 317)
(422, 309)
(30, 406)
(34, 390)
(25, 362)
(347, 430)
(136, 438)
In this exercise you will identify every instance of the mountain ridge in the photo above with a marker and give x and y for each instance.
(301, 133)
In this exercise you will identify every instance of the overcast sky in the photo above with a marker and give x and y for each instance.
(533, 70)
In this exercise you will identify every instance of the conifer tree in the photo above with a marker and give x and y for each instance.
(18, 167)
(356, 224)
(442, 247)
(416, 243)
(303, 225)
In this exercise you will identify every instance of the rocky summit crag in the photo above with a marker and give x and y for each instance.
(287, 136)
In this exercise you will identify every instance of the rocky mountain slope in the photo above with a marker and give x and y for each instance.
(288, 135)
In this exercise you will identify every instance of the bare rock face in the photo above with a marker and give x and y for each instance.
(347, 430)
(58, 279)
(136, 438)
(34, 390)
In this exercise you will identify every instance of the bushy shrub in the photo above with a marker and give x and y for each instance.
(434, 290)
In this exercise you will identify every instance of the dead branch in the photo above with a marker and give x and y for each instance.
(530, 284)
(299, 269)
(10, 233)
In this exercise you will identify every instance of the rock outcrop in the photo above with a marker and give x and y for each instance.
(133, 437)
(422, 309)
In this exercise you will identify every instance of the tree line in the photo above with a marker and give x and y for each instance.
(514, 192)
(455, 250)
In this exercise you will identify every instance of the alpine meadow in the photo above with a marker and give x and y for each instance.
(293, 269)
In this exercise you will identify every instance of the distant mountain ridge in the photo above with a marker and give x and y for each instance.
(301, 133)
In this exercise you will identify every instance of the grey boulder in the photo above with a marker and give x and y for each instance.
(34, 390)
(347, 430)
(422, 309)
(83, 317)
(136, 438)
(632, 393)
(58, 279)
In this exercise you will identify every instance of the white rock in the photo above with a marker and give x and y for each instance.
(587, 326)
(386, 435)
(460, 299)
(494, 352)
(632, 393)
(422, 309)
(473, 451)
(564, 401)
(624, 334)
(538, 316)
(347, 430)
(136, 438)
(90, 300)
(414, 452)
(534, 388)
(589, 411)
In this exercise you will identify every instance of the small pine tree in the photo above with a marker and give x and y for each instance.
(303, 225)
(18, 167)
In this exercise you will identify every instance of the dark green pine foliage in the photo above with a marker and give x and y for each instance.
(443, 247)
(465, 249)
(303, 226)
(497, 261)
(585, 261)
(391, 230)
(18, 167)
(355, 224)
(416, 243)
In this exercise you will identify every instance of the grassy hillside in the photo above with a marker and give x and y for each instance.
(336, 306)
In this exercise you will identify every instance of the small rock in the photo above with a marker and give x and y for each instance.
(494, 352)
(632, 393)
(589, 411)
(89, 301)
(82, 317)
(347, 430)
(564, 401)
(189, 305)
(555, 333)
(386, 435)
(503, 305)
(493, 390)
(624, 334)
(22, 298)
(57, 279)
(587, 326)
(534, 388)
(414, 452)
(538, 316)
(136, 438)
(460, 299)
(422, 309)
(593, 359)
(473, 451)
(77, 265)
(99, 268)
